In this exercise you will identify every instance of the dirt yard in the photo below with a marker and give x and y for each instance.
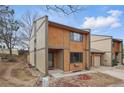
(94, 80)
(16, 74)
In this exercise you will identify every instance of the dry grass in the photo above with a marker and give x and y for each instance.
(6, 83)
(4, 66)
(97, 80)
(22, 74)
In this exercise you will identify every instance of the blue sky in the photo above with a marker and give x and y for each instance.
(103, 20)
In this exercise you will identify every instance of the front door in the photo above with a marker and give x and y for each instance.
(97, 61)
(50, 60)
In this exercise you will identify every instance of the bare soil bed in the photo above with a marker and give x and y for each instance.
(22, 74)
(16, 74)
(95, 80)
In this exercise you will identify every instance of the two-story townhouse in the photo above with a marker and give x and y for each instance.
(110, 50)
(57, 46)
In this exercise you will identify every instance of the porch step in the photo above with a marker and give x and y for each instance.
(57, 75)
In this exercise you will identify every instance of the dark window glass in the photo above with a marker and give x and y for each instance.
(76, 57)
(76, 36)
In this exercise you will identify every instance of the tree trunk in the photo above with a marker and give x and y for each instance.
(10, 51)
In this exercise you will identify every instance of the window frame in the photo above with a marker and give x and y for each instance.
(73, 60)
(73, 36)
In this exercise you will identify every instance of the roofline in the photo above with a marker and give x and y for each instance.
(64, 26)
(40, 18)
(120, 40)
(98, 52)
(115, 39)
(69, 27)
(101, 35)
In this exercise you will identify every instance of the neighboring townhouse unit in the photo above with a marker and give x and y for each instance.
(110, 50)
(96, 57)
(56, 46)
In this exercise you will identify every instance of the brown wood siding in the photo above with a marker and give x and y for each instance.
(55, 37)
(66, 60)
(76, 66)
(116, 47)
(60, 38)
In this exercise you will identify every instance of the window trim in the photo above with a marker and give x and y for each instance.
(80, 58)
(72, 37)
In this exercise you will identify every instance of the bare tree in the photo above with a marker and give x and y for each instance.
(28, 18)
(26, 27)
(63, 9)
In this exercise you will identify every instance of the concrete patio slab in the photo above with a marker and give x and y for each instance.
(112, 71)
(60, 75)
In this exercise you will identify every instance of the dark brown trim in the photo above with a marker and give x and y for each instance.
(97, 52)
(100, 35)
(100, 40)
(116, 40)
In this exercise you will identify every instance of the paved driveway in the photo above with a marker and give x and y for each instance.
(114, 72)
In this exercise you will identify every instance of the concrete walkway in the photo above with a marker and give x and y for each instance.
(115, 73)
(112, 71)
(60, 75)
(117, 85)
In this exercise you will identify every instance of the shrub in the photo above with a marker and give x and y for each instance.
(114, 62)
(12, 59)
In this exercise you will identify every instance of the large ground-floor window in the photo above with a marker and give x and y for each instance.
(76, 57)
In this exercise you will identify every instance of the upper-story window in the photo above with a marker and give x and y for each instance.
(76, 36)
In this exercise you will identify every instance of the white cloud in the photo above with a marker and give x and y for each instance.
(115, 12)
(112, 20)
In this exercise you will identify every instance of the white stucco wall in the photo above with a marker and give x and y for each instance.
(103, 43)
(38, 57)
